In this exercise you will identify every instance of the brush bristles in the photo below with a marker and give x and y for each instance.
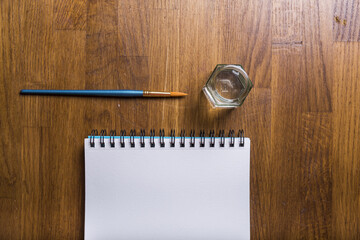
(163, 94)
(178, 94)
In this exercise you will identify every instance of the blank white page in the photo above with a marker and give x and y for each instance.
(167, 193)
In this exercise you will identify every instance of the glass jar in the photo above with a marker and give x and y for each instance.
(227, 86)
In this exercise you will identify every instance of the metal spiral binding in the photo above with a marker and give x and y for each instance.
(152, 136)
(102, 136)
(212, 138)
(112, 138)
(202, 138)
(232, 138)
(142, 138)
(241, 136)
(161, 136)
(222, 138)
(94, 133)
(172, 138)
(122, 138)
(132, 138)
(191, 138)
(182, 138)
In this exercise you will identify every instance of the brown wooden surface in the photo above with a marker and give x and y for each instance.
(303, 114)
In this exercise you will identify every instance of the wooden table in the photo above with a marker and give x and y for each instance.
(303, 114)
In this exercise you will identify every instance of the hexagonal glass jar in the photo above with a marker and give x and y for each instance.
(227, 86)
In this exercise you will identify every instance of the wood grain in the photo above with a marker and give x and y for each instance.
(247, 38)
(317, 84)
(150, 4)
(316, 179)
(70, 15)
(34, 205)
(11, 69)
(346, 142)
(287, 22)
(302, 115)
(257, 124)
(133, 30)
(346, 21)
(286, 138)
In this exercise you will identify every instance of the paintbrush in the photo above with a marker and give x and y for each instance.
(103, 93)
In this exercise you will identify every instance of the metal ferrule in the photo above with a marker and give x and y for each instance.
(156, 94)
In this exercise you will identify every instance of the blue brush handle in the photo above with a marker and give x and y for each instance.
(99, 93)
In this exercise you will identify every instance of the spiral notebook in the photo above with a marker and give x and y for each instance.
(166, 187)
